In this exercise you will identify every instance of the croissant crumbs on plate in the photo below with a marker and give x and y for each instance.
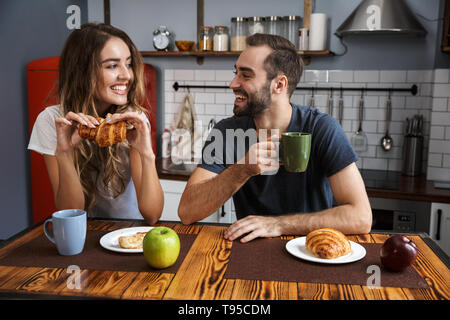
(132, 242)
(327, 243)
(105, 134)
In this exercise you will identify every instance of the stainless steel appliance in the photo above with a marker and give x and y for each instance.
(381, 17)
(396, 215)
(440, 225)
(413, 146)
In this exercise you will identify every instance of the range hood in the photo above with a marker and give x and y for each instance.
(381, 17)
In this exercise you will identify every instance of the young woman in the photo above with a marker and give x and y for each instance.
(100, 73)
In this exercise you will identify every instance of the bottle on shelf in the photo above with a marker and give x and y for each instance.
(273, 25)
(205, 39)
(165, 149)
(291, 26)
(238, 33)
(255, 25)
(220, 38)
(303, 39)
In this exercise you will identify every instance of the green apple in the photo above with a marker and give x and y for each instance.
(161, 246)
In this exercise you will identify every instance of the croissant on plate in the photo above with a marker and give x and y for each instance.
(327, 243)
(105, 134)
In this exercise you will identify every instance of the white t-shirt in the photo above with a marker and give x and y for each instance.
(125, 206)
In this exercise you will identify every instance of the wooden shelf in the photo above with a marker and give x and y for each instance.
(188, 53)
(219, 53)
(201, 54)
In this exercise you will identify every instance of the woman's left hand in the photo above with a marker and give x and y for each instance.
(138, 137)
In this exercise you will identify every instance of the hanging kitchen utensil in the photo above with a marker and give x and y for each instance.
(386, 141)
(414, 126)
(311, 100)
(407, 127)
(330, 103)
(341, 107)
(211, 125)
(420, 126)
(412, 147)
(359, 139)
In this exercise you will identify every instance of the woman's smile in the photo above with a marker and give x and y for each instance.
(116, 74)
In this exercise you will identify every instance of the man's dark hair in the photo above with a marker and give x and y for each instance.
(283, 60)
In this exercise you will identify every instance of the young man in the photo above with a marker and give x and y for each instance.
(270, 201)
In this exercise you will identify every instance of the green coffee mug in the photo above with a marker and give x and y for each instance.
(295, 149)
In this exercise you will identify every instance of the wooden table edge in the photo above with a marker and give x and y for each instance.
(20, 294)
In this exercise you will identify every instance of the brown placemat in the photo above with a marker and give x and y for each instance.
(40, 252)
(267, 259)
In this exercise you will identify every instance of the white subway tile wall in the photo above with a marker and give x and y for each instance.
(439, 154)
(432, 101)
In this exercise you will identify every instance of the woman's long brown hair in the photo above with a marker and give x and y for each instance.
(79, 74)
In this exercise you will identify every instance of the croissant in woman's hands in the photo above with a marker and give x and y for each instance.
(138, 136)
(105, 134)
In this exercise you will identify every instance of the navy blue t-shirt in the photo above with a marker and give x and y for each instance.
(285, 192)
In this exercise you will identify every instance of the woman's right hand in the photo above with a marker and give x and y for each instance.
(67, 130)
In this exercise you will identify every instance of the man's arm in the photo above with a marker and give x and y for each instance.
(207, 191)
(353, 215)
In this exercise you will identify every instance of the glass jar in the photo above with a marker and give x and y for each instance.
(255, 25)
(220, 38)
(303, 39)
(238, 33)
(291, 26)
(205, 39)
(273, 25)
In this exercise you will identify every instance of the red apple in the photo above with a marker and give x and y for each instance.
(398, 252)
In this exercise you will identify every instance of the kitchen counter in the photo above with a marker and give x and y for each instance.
(164, 173)
(394, 185)
(379, 184)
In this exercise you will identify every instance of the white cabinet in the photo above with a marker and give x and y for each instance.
(172, 195)
(440, 225)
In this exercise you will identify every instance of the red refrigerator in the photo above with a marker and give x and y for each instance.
(42, 76)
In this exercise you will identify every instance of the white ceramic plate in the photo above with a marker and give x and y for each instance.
(110, 241)
(297, 248)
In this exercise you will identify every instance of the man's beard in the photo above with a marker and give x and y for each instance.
(256, 102)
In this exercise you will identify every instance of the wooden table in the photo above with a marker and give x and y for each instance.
(200, 276)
